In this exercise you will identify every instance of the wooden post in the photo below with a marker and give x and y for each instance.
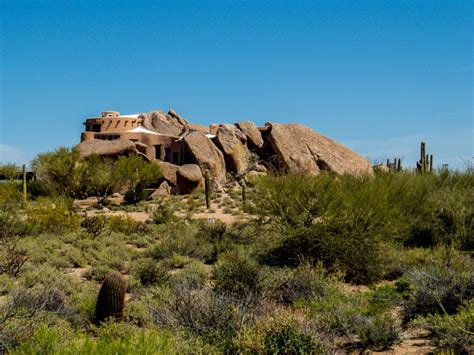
(207, 186)
(24, 184)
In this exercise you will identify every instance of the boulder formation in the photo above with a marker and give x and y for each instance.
(206, 154)
(302, 150)
(170, 123)
(251, 131)
(236, 153)
(110, 149)
(189, 176)
(241, 149)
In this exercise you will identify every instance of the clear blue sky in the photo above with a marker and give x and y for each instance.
(378, 76)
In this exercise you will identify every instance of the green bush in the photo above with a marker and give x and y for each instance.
(193, 275)
(237, 273)
(278, 333)
(126, 225)
(439, 286)
(135, 174)
(163, 212)
(52, 216)
(377, 332)
(216, 317)
(451, 333)
(120, 338)
(62, 171)
(336, 246)
(94, 225)
(150, 272)
(97, 273)
(288, 285)
(182, 239)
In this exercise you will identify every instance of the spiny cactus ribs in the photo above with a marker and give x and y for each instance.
(110, 302)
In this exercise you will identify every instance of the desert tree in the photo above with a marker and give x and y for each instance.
(135, 173)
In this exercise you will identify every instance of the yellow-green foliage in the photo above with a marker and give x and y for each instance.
(52, 216)
(280, 333)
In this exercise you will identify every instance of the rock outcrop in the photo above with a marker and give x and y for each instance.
(206, 155)
(189, 176)
(169, 172)
(170, 124)
(242, 149)
(254, 137)
(236, 153)
(302, 150)
(110, 148)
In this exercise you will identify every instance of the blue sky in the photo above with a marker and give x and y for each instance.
(377, 76)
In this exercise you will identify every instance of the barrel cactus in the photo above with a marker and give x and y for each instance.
(111, 300)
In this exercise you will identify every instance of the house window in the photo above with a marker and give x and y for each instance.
(96, 127)
(158, 151)
(167, 154)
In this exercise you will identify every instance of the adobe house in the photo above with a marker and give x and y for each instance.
(112, 126)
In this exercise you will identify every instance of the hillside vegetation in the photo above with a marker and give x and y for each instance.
(321, 264)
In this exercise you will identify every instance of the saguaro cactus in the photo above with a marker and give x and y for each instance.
(111, 300)
(426, 161)
(244, 196)
(207, 186)
(24, 183)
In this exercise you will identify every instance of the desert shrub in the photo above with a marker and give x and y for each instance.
(359, 318)
(193, 275)
(122, 338)
(94, 225)
(52, 216)
(451, 333)
(10, 195)
(126, 225)
(377, 332)
(61, 170)
(177, 261)
(163, 212)
(279, 333)
(150, 272)
(439, 287)
(134, 173)
(182, 239)
(98, 177)
(12, 230)
(336, 246)
(292, 200)
(139, 314)
(98, 272)
(288, 285)
(237, 273)
(215, 317)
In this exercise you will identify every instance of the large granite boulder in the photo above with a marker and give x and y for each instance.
(196, 127)
(189, 176)
(169, 172)
(303, 150)
(232, 127)
(237, 155)
(252, 133)
(163, 190)
(111, 149)
(206, 155)
(170, 124)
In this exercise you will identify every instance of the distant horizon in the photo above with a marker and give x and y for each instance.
(378, 77)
